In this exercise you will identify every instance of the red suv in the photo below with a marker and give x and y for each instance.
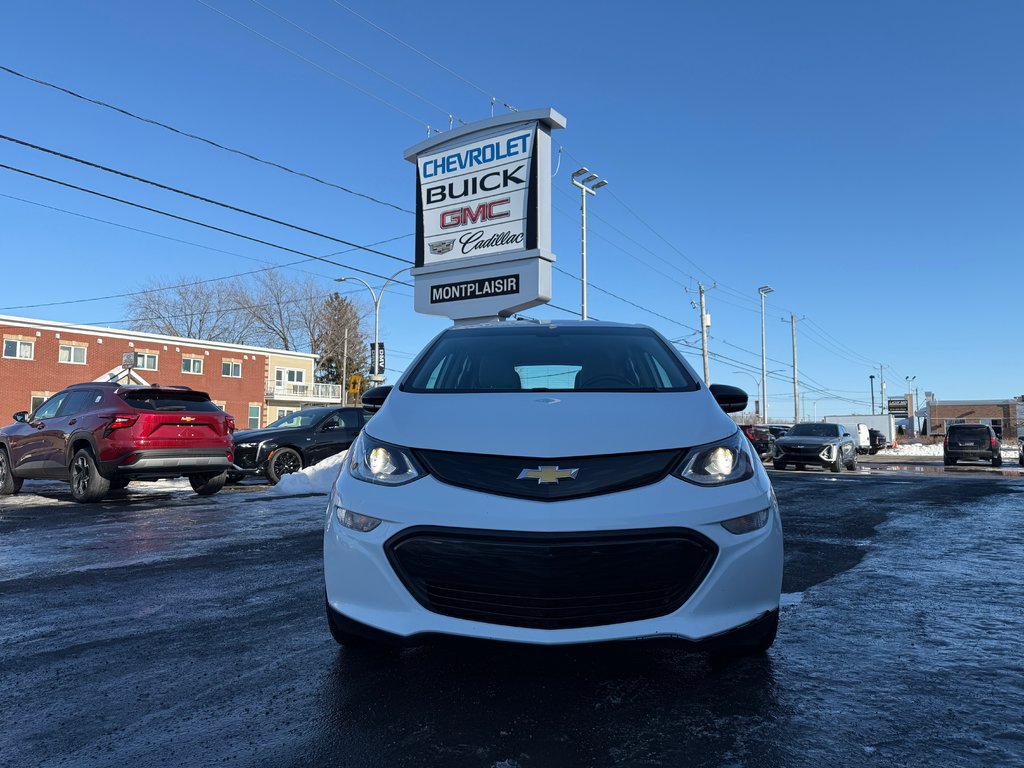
(100, 436)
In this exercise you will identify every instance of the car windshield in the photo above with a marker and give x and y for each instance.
(299, 419)
(550, 357)
(814, 430)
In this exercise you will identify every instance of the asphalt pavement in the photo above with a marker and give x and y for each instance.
(163, 629)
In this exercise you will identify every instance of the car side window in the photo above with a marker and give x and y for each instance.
(77, 401)
(49, 409)
(342, 420)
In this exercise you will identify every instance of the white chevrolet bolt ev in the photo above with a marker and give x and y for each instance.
(554, 483)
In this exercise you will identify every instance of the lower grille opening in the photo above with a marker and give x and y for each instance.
(551, 581)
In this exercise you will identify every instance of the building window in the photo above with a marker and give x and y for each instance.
(70, 353)
(221, 404)
(145, 361)
(37, 400)
(231, 369)
(21, 350)
(282, 412)
(289, 376)
(254, 417)
(192, 365)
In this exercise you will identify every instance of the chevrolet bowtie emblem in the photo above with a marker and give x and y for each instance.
(548, 475)
(188, 418)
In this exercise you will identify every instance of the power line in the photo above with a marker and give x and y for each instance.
(196, 222)
(312, 63)
(201, 198)
(273, 264)
(210, 142)
(350, 57)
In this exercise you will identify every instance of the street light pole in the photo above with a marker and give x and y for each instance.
(584, 191)
(377, 296)
(913, 413)
(872, 377)
(763, 291)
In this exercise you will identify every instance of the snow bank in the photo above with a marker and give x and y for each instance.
(935, 451)
(315, 479)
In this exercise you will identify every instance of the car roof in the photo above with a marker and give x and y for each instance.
(523, 323)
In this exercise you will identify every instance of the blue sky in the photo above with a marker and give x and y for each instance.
(863, 159)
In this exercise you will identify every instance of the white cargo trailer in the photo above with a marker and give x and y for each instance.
(883, 422)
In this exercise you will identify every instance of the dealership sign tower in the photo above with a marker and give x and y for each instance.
(483, 217)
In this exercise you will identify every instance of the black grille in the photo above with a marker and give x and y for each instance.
(595, 475)
(551, 580)
(245, 457)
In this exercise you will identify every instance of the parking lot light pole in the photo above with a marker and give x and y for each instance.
(872, 377)
(587, 187)
(913, 413)
(377, 296)
(763, 291)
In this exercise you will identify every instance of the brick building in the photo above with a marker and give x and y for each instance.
(254, 384)
(1002, 415)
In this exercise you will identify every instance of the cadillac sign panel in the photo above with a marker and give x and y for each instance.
(474, 199)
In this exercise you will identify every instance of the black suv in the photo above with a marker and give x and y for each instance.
(972, 442)
(295, 441)
(825, 445)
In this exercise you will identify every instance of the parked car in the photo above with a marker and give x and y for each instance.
(816, 443)
(297, 440)
(1020, 451)
(876, 440)
(489, 498)
(971, 442)
(100, 436)
(761, 438)
(779, 430)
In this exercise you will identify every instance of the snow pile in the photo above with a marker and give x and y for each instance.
(935, 451)
(318, 478)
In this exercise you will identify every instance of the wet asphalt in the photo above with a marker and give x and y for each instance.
(161, 629)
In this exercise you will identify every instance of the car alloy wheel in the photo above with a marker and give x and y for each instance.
(80, 475)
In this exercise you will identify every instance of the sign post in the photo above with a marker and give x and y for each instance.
(483, 217)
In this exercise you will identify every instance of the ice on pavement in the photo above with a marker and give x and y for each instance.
(315, 479)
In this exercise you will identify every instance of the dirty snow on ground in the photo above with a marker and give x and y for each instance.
(315, 479)
(915, 449)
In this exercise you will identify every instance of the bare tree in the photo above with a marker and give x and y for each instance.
(187, 307)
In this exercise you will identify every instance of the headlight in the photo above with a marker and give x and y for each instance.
(247, 445)
(382, 463)
(721, 463)
(348, 518)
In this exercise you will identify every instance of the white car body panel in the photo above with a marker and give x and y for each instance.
(743, 583)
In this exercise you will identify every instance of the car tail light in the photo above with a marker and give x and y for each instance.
(229, 422)
(749, 432)
(945, 441)
(120, 421)
(994, 442)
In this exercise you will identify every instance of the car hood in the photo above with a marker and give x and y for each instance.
(259, 435)
(805, 440)
(551, 424)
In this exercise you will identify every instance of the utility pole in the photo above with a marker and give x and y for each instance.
(705, 321)
(344, 371)
(796, 391)
(872, 377)
(763, 291)
(881, 375)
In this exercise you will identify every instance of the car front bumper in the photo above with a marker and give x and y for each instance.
(741, 584)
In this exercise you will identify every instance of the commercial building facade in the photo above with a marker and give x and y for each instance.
(256, 385)
(1004, 416)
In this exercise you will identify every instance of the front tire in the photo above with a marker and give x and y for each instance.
(9, 484)
(87, 484)
(837, 465)
(779, 464)
(285, 461)
(207, 485)
(997, 461)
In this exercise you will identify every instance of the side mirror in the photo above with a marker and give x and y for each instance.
(731, 399)
(374, 398)
(846, 434)
(20, 415)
